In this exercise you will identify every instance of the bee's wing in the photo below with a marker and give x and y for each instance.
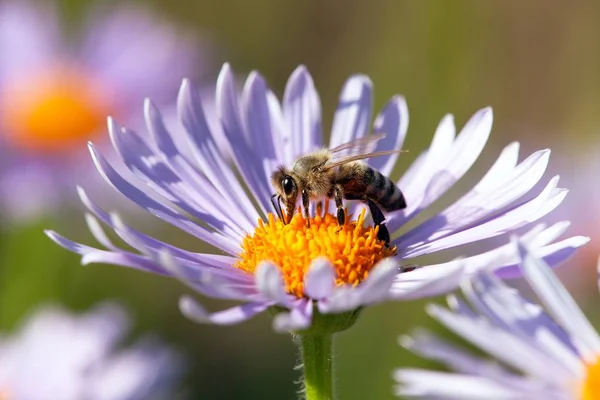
(336, 163)
(363, 145)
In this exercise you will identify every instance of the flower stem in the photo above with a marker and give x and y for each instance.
(317, 365)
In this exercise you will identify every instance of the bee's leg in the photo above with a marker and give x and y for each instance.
(338, 196)
(378, 220)
(289, 213)
(305, 204)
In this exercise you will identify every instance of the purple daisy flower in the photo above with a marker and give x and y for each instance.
(304, 272)
(58, 355)
(55, 92)
(545, 354)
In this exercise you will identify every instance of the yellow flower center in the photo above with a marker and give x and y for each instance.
(353, 249)
(591, 385)
(54, 111)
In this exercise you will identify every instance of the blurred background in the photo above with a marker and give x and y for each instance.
(535, 63)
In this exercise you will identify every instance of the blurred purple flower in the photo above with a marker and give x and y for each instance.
(55, 92)
(550, 354)
(58, 355)
(263, 134)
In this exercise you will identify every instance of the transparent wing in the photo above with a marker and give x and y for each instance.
(358, 149)
(357, 157)
(364, 145)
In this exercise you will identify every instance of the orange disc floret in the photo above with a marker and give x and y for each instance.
(591, 384)
(353, 249)
(54, 111)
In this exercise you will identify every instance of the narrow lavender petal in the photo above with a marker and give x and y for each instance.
(497, 189)
(208, 157)
(319, 281)
(438, 278)
(417, 383)
(489, 196)
(429, 346)
(428, 281)
(497, 223)
(421, 170)
(445, 165)
(300, 317)
(393, 121)
(159, 210)
(195, 263)
(147, 244)
(247, 161)
(185, 181)
(235, 315)
(458, 306)
(212, 282)
(283, 140)
(559, 303)
(257, 120)
(495, 342)
(302, 112)
(372, 290)
(147, 166)
(377, 285)
(93, 255)
(508, 310)
(270, 283)
(552, 255)
(96, 229)
(353, 114)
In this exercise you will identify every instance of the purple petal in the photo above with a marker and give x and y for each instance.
(93, 255)
(443, 165)
(393, 121)
(507, 309)
(559, 302)
(257, 117)
(428, 281)
(149, 167)
(353, 114)
(248, 163)
(159, 210)
(319, 281)
(429, 346)
(495, 342)
(420, 171)
(202, 142)
(493, 224)
(302, 112)
(298, 318)
(210, 282)
(148, 245)
(269, 282)
(372, 290)
(194, 311)
(553, 255)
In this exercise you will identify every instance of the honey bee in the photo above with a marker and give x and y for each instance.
(339, 173)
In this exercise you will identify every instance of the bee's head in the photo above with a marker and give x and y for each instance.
(285, 185)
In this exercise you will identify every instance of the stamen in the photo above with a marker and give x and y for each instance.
(353, 248)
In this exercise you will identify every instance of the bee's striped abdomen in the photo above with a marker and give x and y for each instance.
(383, 191)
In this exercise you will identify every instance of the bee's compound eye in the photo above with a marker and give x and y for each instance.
(288, 185)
